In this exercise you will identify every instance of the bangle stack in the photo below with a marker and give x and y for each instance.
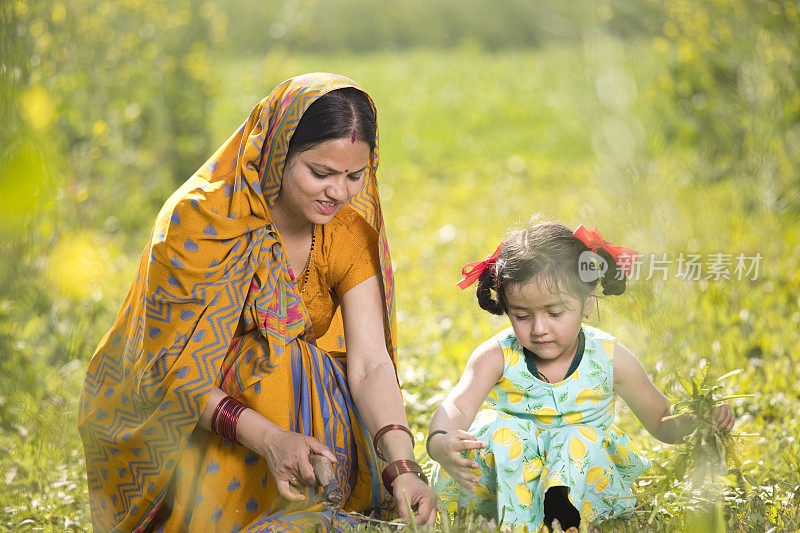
(386, 429)
(226, 416)
(401, 466)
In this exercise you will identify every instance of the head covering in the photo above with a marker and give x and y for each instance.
(151, 375)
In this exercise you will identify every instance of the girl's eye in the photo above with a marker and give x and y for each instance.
(556, 314)
(522, 317)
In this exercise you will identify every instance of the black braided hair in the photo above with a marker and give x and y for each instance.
(549, 252)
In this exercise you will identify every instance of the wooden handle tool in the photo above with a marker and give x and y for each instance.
(323, 469)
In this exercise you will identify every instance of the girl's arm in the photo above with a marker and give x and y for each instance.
(651, 406)
(458, 410)
(373, 383)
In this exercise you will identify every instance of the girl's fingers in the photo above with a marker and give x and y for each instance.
(471, 445)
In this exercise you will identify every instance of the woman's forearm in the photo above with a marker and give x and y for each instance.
(252, 429)
(377, 397)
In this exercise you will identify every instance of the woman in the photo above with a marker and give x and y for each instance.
(202, 404)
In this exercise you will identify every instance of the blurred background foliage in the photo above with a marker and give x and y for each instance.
(675, 125)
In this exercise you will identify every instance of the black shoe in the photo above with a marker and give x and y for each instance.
(557, 506)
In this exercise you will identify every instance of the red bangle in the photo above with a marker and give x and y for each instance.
(226, 418)
(402, 466)
(385, 429)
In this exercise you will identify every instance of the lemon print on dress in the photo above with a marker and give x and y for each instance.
(532, 470)
(515, 396)
(523, 495)
(608, 346)
(594, 473)
(545, 415)
(488, 458)
(515, 450)
(588, 432)
(504, 436)
(586, 509)
(575, 375)
(577, 449)
(575, 417)
(601, 484)
(482, 492)
(505, 384)
(512, 356)
(587, 395)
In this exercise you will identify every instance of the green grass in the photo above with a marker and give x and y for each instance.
(472, 144)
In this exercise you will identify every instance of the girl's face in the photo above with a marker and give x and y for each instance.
(320, 181)
(546, 323)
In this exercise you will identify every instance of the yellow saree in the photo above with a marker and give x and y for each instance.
(214, 260)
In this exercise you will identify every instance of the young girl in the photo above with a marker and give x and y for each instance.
(543, 444)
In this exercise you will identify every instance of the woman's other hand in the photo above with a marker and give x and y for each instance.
(446, 448)
(410, 490)
(287, 454)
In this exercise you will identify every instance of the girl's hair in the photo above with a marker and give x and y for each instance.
(549, 252)
(339, 114)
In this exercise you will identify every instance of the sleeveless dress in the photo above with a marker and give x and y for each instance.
(540, 435)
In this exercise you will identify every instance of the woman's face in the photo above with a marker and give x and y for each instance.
(318, 182)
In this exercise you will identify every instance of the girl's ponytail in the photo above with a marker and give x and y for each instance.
(613, 281)
(487, 282)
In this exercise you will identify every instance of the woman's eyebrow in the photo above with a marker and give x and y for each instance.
(333, 170)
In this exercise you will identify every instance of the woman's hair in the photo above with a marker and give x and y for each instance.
(339, 114)
(547, 252)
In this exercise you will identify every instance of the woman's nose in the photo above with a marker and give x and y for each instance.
(337, 188)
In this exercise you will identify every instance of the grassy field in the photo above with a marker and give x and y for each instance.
(468, 151)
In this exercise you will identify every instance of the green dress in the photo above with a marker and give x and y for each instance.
(540, 435)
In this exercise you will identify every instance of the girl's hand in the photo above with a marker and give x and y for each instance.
(287, 453)
(446, 450)
(409, 489)
(722, 417)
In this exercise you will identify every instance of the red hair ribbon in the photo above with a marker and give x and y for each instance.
(623, 257)
(472, 271)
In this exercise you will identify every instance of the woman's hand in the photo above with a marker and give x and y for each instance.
(446, 449)
(410, 490)
(287, 454)
(722, 417)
